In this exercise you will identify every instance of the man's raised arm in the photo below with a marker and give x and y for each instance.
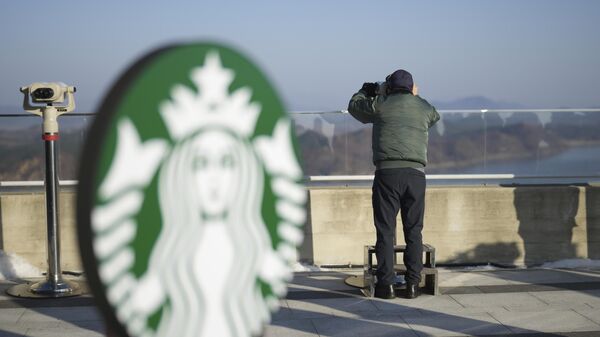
(361, 104)
(434, 116)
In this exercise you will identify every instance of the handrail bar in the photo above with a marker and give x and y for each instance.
(352, 178)
(315, 112)
(450, 177)
(35, 183)
(70, 114)
(467, 111)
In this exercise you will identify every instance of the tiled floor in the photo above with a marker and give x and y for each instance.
(476, 303)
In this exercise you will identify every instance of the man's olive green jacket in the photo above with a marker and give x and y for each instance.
(401, 123)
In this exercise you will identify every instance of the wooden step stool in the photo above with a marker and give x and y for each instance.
(429, 275)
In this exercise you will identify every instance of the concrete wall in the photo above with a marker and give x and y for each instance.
(511, 225)
(23, 228)
(508, 225)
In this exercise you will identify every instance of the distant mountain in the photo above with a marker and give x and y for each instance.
(476, 102)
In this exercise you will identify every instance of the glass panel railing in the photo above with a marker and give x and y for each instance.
(333, 143)
(457, 142)
(542, 143)
(22, 148)
(523, 143)
(532, 143)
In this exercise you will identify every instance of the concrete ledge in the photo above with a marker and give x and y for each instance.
(508, 225)
(23, 227)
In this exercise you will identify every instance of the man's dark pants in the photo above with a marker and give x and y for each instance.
(399, 189)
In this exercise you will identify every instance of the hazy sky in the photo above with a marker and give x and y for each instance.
(536, 53)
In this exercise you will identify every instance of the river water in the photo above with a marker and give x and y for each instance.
(576, 161)
(581, 162)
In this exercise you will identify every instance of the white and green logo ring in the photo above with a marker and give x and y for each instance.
(190, 205)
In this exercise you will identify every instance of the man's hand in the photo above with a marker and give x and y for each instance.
(370, 89)
(415, 90)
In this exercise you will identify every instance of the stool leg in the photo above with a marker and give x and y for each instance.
(368, 271)
(431, 283)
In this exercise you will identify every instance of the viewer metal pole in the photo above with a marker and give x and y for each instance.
(54, 277)
(54, 285)
(54, 271)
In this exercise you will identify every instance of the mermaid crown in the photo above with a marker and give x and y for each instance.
(212, 105)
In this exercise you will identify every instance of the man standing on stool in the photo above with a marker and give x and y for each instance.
(401, 120)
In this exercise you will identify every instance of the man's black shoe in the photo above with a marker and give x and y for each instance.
(385, 291)
(412, 290)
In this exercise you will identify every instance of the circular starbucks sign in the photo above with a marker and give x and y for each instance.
(190, 205)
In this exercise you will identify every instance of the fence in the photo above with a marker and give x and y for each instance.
(466, 146)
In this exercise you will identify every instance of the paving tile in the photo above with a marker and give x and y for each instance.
(10, 315)
(570, 297)
(4, 285)
(284, 313)
(546, 321)
(422, 302)
(62, 332)
(329, 307)
(33, 316)
(71, 314)
(592, 314)
(4, 296)
(343, 314)
(460, 290)
(337, 287)
(291, 328)
(335, 279)
(316, 293)
(544, 276)
(458, 312)
(514, 288)
(98, 326)
(12, 334)
(516, 277)
(373, 326)
(496, 300)
(40, 324)
(457, 279)
(451, 325)
(323, 281)
(520, 288)
(12, 330)
(551, 307)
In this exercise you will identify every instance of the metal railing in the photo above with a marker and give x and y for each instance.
(469, 146)
(466, 146)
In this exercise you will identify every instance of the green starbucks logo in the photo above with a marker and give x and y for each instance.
(190, 205)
